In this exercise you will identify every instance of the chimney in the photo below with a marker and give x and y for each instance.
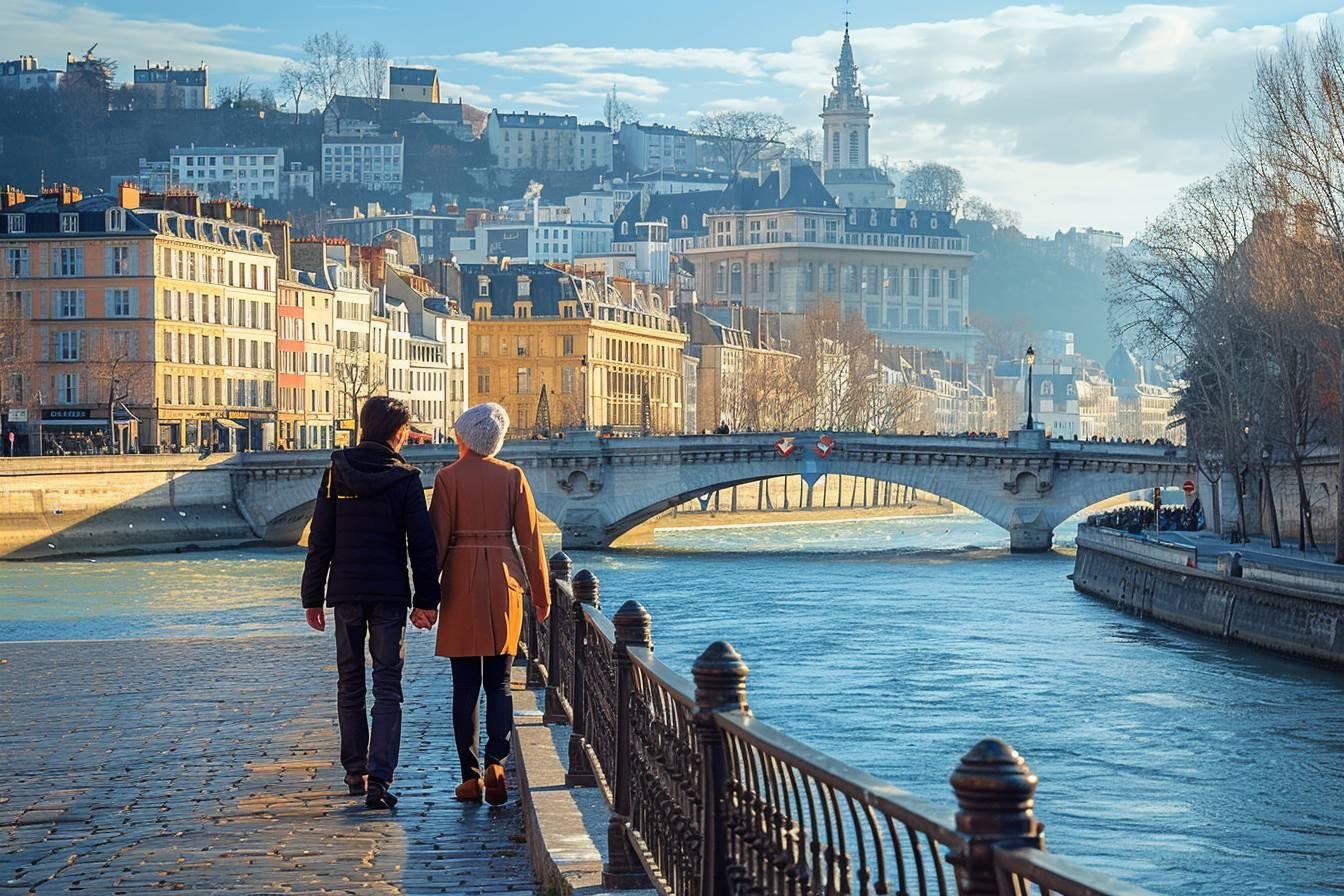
(280, 245)
(128, 195)
(219, 210)
(11, 196)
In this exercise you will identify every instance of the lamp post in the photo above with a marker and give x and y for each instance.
(1031, 360)
(583, 385)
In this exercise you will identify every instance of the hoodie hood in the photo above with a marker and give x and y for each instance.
(369, 468)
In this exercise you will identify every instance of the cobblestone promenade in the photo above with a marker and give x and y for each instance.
(209, 766)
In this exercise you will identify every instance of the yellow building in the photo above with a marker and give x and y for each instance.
(598, 347)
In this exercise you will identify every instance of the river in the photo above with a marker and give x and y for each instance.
(1171, 760)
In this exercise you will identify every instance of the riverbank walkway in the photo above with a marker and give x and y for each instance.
(197, 765)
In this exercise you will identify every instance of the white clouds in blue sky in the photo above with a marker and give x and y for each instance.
(1084, 113)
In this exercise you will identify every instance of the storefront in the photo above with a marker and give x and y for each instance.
(86, 431)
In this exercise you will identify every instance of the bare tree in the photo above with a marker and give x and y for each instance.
(330, 64)
(741, 138)
(371, 71)
(616, 111)
(935, 186)
(16, 354)
(356, 379)
(976, 208)
(1292, 137)
(294, 82)
(118, 374)
(806, 145)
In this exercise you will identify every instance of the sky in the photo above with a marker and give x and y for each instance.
(1085, 113)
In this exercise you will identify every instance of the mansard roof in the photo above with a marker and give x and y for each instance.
(412, 76)
(671, 207)
(925, 221)
(805, 191)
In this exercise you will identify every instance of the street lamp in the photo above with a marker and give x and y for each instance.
(583, 385)
(1031, 360)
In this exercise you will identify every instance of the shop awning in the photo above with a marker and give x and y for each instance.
(227, 423)
(419, 436)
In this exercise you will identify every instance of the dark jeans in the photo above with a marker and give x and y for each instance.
(469, 673)
(384, 624)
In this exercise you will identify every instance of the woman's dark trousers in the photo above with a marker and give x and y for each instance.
(384, 626)
(469, 674)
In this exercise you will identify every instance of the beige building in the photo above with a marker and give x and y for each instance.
(603, 350)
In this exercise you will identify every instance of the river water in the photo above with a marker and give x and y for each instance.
(1174, 761)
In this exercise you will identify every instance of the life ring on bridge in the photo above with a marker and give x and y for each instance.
(824, 446)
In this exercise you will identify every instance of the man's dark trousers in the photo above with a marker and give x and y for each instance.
(384, 624)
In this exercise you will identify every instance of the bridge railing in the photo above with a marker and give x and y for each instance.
(708, 800)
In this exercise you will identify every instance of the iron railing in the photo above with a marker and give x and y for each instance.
(707, 800)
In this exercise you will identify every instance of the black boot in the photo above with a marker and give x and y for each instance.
(379, 797)
(355, 783)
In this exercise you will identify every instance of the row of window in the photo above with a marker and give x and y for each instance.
(193, 348)
(216, 392)
(849, 278)
(114, 221)
(229, 311)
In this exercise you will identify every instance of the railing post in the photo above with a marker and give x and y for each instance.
(720, 684)
(580, 773)
(995, 791)
(554, 712)
(623, 870)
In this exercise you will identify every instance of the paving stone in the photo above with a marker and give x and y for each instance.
(211, 766)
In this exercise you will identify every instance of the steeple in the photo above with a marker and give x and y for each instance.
(845, 92)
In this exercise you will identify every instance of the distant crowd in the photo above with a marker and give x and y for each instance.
(1136, 518)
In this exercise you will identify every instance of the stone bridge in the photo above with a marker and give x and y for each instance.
(595, 489)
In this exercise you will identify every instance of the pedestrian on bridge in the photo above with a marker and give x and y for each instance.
(370, 514)
(490, 556)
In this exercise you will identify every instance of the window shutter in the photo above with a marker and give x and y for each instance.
(107, 261)
(135, 259)
(108, 310)
(134, 293)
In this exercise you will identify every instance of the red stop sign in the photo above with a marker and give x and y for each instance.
(1188, 486)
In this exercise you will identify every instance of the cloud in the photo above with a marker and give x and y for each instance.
(50, 29)
(1070, 117)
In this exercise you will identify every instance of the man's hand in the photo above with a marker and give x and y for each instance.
(424, 618)
(317, 619)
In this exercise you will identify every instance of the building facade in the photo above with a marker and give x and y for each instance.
(250, 173)
(165, 87)
(433, 231)
(415, 83)
(373, 162)
(601, 349)
(24, 73)
(153, 304)
(783, 244)
(533, 140)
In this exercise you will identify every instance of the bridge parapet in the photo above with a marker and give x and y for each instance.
(597, 489)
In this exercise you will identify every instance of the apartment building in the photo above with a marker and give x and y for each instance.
(603, 349)
(371, 161)
(152, 304)
(249, 173)
(166, 87)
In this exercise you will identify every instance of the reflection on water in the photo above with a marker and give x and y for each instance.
(1178, 762)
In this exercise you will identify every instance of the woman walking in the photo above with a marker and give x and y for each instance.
(481, 505)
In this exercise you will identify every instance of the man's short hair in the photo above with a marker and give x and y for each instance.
(381, 417)
(483, 428)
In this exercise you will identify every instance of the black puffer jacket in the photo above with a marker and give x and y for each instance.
(370, 512)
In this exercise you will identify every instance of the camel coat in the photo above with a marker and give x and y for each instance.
(480, 505)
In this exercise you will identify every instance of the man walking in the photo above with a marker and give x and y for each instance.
(370, 513)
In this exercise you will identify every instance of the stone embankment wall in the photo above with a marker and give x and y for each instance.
(152, 503)
(1286, 611)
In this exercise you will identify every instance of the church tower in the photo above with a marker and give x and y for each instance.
(845, 116)
(845, 121)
